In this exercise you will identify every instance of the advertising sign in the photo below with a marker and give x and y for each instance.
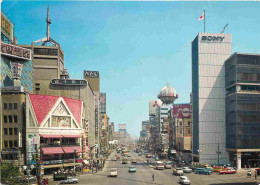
(20, 138)
(181, 110)
(61, 121)
(102, 100)
(91, 74)
(15, 51)
(16, 69)
(31, 149)
(7, 27)
(96, 122)
(153, 105)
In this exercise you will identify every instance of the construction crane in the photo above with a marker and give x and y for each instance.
(224, 28)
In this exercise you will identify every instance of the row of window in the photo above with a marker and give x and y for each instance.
(11, 119)
(10, 106)
(11, 131)
(10, 144)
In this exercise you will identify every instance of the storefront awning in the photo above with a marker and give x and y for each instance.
(71, 136)
(50, 136)
(52, 150)
(70, 150)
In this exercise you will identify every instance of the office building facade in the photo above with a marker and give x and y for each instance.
(209, 52)
(243, 109)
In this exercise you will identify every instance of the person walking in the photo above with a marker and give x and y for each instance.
(153, 177)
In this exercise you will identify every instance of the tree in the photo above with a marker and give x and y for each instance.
(9, 172)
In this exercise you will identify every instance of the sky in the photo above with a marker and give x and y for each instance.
(138, 47)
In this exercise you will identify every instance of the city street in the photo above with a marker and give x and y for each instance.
(144, 173)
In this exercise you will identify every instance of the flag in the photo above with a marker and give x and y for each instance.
(201, 17)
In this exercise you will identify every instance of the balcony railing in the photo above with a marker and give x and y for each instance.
(58, 144)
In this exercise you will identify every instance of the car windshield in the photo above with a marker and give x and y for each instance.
(113, 170)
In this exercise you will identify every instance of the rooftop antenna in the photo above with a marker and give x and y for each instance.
(224, 28)
(48, 21)
(48, 38)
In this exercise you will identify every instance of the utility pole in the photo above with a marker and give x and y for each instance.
(0, 165)
(75, 161)
(218, 153)
(38, 166)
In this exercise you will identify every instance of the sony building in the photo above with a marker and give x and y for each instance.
(209, 52)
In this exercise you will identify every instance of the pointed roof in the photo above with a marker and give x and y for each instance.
(75, 107)
(42, 105)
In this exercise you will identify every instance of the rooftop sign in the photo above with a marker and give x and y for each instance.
(68, 82)
(91, 74)
(15, 51)
(212, 38)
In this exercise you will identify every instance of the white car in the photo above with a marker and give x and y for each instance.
(184, 180)
(70, 180)
(114, 159)
(113, 172)
(187, 170)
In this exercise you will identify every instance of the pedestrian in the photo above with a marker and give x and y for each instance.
(153, 177)
(92, 167)
(255, 175)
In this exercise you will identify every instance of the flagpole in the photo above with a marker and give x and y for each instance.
(204, 22)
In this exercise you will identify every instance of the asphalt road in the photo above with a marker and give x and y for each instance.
(144, 173)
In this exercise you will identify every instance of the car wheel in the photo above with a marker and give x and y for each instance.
(74, 182)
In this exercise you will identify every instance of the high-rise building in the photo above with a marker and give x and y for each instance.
(243, 109)
(209, 52)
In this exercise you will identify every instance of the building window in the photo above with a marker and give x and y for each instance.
(15, 144)
(6, 144)
(37, 86)
(5, 106)
(188, 131)
(15, 118)
(180, 123)
(10, 106)
(10, 119)
(15, 105)
(6, 131)
(10, 131)
(188, 123)
(5, 119)
(11, 144)
(15, 131)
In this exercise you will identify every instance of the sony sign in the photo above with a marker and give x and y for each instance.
(212, 38)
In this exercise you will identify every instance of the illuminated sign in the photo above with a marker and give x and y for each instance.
(212, 38)
(91, 74)
(68, 82)
(16, 69)
(7, 27)
(15, 51)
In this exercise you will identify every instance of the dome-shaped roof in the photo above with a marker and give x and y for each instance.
(167, 90)
(168, 95)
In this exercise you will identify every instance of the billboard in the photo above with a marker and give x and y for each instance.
(7, 27)
(122, 127)
(102, 101)
(182, 110)
(91, 74)
(15, 51)
(153, 104)
(60, 121)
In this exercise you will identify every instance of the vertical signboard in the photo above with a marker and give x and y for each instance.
(16, 70)
(96, 122)
(102, 100)
(31, 149)
(7, 27)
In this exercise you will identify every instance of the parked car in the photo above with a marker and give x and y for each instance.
(118, 157)
(178, 171)
(202, 171)
(148, 156)
(70, 180)
(30, 178)
(168, 165)
(228, 171)
(187, 170)
(113, 172)
(184, 180)
(114, 159)
(132, 169)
